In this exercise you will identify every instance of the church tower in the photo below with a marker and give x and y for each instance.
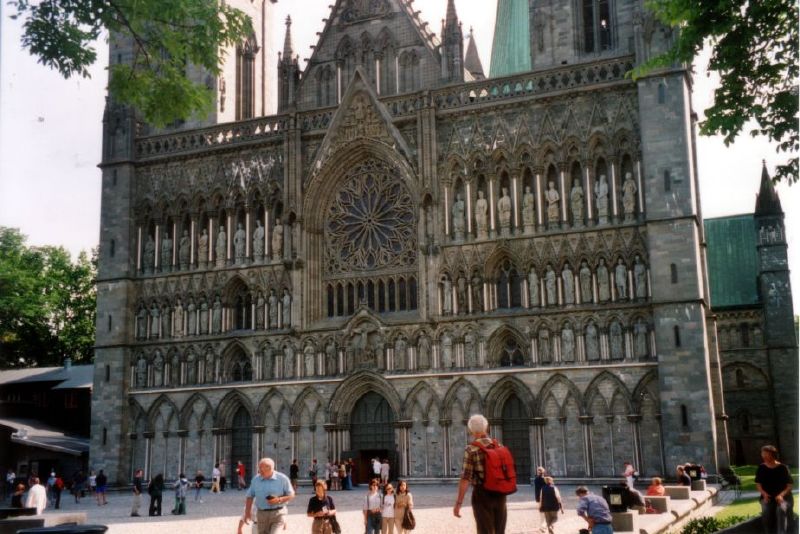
(511, 52)
(288, 72)
(452, 46)
(472, 61)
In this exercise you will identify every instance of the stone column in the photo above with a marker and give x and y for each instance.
(515, 198)
(139, 249)
(539, 203)
(446, 212)
(492, 180)
(614, 201)
(193, 240)
(564, 195)
(589, 192)
(637, 165)
(157, 260)
(634, 420)
(247, 232)
(148, 451)
(182, 435)
(469, 214)
(586, 422)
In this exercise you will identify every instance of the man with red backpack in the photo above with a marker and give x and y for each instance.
(489, 468)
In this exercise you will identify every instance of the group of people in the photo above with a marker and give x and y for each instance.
(337, 474)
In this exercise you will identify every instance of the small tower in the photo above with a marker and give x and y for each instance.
(472, 61)
(452, 46)
(288, 72)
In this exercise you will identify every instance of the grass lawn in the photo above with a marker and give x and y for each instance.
(742, 508)
(748, 474)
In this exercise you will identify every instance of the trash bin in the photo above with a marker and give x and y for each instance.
(66, 529)
(613, 496)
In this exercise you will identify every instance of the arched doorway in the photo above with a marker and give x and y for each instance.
(372, 433)
(516, 436)
(241, 445)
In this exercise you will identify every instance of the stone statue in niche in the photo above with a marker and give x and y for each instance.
(552, 197)
(239, 244)
(533, 288)
(260, 303)
(567, 345)
(158, 370)
(287, 308)
(288, 361)
(461, 293)
(184, 250)
(469, 350)
(221, 247)
(278, 365)
(400, 354)
(277, 241)
(616, 343)
(576, 203)
(592, 343)
(331, 359)
(191, 370)
(550, 286)
(640, 339)
(629, 190)
(141, 372)
(568, 281)
(166, 321)
(155, 321)
(639, 278)
(544, 346)
(447, 296)
(481, 216)
(166, 253)
(528, 211)
(267, 365)
(601, 198)
(585, 276)
(204, 317)
(458, 218)
(258, 241)
(191, 313)
(621, 279)
(202, 249)
(504, 212)
(149, 255)
(423, 352)
(447, 351)
(216, 316)
(273, 310)
(141, 323)
(603, 284)
(308, 360)
(477, 293)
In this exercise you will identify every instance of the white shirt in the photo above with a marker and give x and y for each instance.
(387, 509)
(37, 498)
(215, 473)
(376, 467)
(372, 501)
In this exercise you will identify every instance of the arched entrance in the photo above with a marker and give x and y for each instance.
(516, 435)
(372, 433)
(241, 445)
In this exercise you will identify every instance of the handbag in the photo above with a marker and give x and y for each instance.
(408, 520)
(335, 526)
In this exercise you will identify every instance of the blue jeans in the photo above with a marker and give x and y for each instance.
(603, 529)
(373, 523)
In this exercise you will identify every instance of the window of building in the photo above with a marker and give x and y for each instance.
(677, 333)
(744, 334)
(673, 273)
(597, 25)
(245, 79)
(667, 181)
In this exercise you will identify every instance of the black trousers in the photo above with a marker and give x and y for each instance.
(489, 510)
(155, 505)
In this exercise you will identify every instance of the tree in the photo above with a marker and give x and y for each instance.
(754, 50)
(168, 36)
(47, 304)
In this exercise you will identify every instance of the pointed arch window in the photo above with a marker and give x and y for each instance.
(597, 26)
(245, 79)
(511, 355)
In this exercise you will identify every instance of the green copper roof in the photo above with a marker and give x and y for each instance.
(732, 260)
(511, 48)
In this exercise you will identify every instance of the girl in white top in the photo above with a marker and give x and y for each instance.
(372, 509)
(387, 510)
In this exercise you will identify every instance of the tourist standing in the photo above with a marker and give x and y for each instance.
(37, 496)
(294, 474)
(376, 468)
(181, 489)
(489, 508)
(594, 509)
(223, 480)
(385, 472)
(313, 471)
(10, 478)
(387, 510)
(240, 472)
(342, 468)
(372, 509)
(270, 490)
(58, 487)
(774, 482)
(78, 481)
(101, 480)
(215, 476)
(403, 503)
(349, 468)
(137, 492)
(92, 482)
(322, 509)
(199, 480)
(51, 481)
(156, 491)
(550, 504)
(629, 472)
(18, 496)
(538, 484)
(335, 476)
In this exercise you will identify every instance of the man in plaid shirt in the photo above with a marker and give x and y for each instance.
(489, 508)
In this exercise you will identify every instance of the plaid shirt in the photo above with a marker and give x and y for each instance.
(472, 467)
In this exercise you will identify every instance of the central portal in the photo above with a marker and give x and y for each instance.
(372, 434)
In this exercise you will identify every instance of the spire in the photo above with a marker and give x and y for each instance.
(511, 48)
(472, 61)
(452, 46)
(288, 49)
(452, 17)
(767, 201)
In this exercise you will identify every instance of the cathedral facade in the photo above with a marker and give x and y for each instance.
(406, 243)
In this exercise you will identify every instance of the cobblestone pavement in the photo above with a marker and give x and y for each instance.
(219, 514)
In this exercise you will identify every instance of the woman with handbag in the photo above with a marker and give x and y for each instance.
(404, 521)
(322, 509)
(372, 509)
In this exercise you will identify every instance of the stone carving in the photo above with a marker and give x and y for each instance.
(191, 370)
(308, 360)
(477, 293)
(504, 212)
(400, 357)
(576, 203)
(158, 370)
(287, 308)
(423, 352)
(296, 230)
(603, 287)
(461, 293)
(592, 343)
(166, 321)
(567, 344)
(639, 278)
(568, 282)
(640, 339)
(258, 241)
(481, 216)
(544, 346)
(470, 359)
(260, 305)
(278, 365)
(585, 275)
(533, 288)
(429, 230)
(204, 317)
(273, 310)
(221, 247)
(553, 207)
(528, 210)
(615, 335)
(363, 9)
(601, 198)
(331, 359)
(277, 241)
(211, 369)
(447, 296)
(288, 361)
(166, 253)
(149, 255)
(447, 351)
(621, 279)
(267, 356)
(184, 250)
(629, 197)
(239, 244)
(141, 323)
(458, 218)
(202, 249)
(155, 321)
(216, 316)
(141, 372)
(550, 285)
(191, 312)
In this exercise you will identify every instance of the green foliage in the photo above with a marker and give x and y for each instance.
(47, 304)
(168, 38)
(709, 525)
(754, 50)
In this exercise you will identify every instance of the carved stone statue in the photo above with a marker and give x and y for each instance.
(288, 361)
(533, 288)
(141, 323)
(528, 210)
(447, 351)
(202, 249)
(400, 357)
(550, 285)
(287, 308)
(331, 359)
(308, 360)
(423, 352)
(601, 198)
(544, 346)
(621, 279)
(447, 296)
(576, 203)
(260, 302)
(481, 216)
(184, 250)
(258, 241)
(615, 335)
(592, 343)
(567, 345)
(149, 255)
(216, 316)
(629, 197)
(470, 359)
(158, 370)
(273, 310)
(568, 281)
(155, 321)
(277, 241)
(458, 218)
(239, 244)
(211, 370)
(585, 275)
(640, 339)
(477, 293)
(267, 356)
(191, 312)
(204, 317)
(141, 372)
(603, 287)
(221, 247)
(639, 278)
(504, 212)
(278, 365)
(166, 253)
(553, 207)
(461, 293)
(166, 321)
(191, 369)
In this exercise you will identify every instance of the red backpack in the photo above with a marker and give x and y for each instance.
(499, 474)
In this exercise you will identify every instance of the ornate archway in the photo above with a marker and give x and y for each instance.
(372, 432)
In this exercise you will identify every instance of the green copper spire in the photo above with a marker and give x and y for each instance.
(511, 49)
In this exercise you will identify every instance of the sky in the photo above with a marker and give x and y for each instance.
(51, 128)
